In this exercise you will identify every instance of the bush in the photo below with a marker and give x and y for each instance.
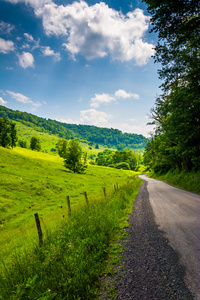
(123, 165)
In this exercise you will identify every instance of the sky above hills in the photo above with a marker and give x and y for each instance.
(83, 62)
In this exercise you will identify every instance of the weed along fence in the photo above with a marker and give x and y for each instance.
(37, 219)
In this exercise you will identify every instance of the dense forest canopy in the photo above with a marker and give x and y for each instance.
(176, 114)
(109, 137)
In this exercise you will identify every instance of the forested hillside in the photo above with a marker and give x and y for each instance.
(176, 114)
(111, 138)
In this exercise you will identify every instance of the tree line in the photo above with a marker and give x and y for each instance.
(176, 114)
(108, 137)
(127, 159)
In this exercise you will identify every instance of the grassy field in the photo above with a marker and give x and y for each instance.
(189, 181)
(48, 141)
(38, 182)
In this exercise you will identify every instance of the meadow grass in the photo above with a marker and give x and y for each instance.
(34, 182)
(73, 255)
(48, 141)
(189, 181)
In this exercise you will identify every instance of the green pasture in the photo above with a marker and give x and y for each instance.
(34, 182)
(48, 141)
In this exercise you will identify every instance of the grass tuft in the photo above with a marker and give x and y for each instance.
(72, 259)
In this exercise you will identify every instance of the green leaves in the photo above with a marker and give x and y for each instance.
(73, 158)
(8, 133)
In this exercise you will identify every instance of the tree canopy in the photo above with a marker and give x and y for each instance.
(35, 143)
(74, 159)
(108, 137)
(8, 133)
(176, 113)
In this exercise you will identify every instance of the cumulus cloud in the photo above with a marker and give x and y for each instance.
(26, 60)
(101, 99)
(123, 94)
(2, 102)
(97, 30)
(6, 46)
(23, 99)
(47, 51)
(106, 98)
(95, 117)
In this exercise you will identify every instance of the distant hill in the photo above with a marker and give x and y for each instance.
(107, 137)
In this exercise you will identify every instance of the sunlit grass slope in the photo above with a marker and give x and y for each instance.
(38, 182)
(48, 141)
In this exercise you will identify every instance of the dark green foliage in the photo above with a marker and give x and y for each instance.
(73, 158)
(8, 133)
(61, 147)
(92, 134)
(22, 143)
(127, 159)
(122, 165)
(176, 114)
(35, 144)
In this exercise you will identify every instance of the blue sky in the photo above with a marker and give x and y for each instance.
(83, 62)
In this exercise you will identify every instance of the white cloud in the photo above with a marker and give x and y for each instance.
(29, 37)
(23, 99)
(47, 51)
(124, 94)
(101, 99)
(68, 121)
(19, 97)
(6, 46)
(33, 3)
(106, 98)
(26, 60)
(97, 30)
(92, 116)
(2, 102)
(141, 128)
(6, 28)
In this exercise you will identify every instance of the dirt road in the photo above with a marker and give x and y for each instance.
(177, 214)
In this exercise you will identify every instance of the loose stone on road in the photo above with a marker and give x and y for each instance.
(153, 266)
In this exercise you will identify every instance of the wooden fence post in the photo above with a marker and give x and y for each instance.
(39, 229)
(69, 207)
(104, 190)
(86, 198)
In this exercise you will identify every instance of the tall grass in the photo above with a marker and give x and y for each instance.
(188, 181)
(71, 261)
(34, 182)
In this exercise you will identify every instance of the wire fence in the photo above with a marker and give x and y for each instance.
(19, 239)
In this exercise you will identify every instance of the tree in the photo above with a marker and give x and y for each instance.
(61, 147)
(35, 144)
(22, 143)
(13, 134)
(177, 111)
(73, 158)
(8, 133)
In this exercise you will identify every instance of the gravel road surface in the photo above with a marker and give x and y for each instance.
(162, 257)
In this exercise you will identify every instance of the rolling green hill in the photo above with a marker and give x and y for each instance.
(106, 137)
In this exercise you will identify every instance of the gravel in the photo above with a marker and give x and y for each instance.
(150, 267)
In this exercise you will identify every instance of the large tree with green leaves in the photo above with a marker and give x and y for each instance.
(8, 133)
(35, 143)
(176, 113)
(61, 147)
(74, 158)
